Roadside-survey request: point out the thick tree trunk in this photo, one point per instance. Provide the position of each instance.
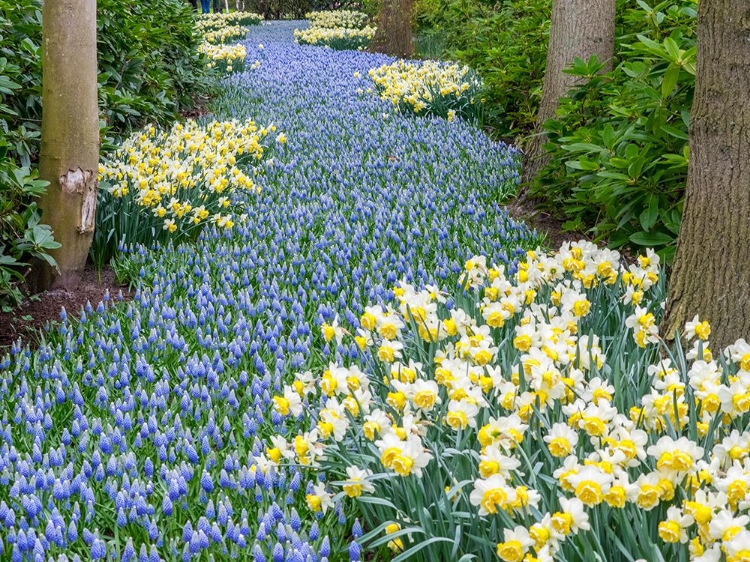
(69, 156)
(579, 28)
(711, 276)
(394, 35)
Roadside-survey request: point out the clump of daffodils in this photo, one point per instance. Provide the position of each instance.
(226, 59)
(167, 184)
(338, 18)
(341, 30)
(339, 38)
(430, 88)
(538, 403)
(227, 34)
(213, 21)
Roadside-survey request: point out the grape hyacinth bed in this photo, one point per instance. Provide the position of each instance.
(134, 433)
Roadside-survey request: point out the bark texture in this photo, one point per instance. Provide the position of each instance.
(394, 34)
(578, 28)
(711, 276)
(69, 156)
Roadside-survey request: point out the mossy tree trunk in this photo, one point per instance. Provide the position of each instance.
(69, 155)
(394, 33)
(578, 29)
(711, 275)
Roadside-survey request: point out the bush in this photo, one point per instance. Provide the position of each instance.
(22, 237)
(505, 41)
(619, 143)
(150, 68)
(278, 9)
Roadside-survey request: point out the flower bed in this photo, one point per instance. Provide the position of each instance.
(338, 18)
(213, 21)
(339, 38)
(430, 88)
(226, 59)
(163, 185)
(340, 30)
(132, 433)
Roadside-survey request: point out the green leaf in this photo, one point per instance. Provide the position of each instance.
(406, 555)
(651, 239)
(669, 81)
(650, 213)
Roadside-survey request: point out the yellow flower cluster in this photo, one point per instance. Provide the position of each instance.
(333, 37)
(338, 18)
(207, 22)
(187, 175)
(227, 58)
(226, 34)
(421, 86)
(680, 444)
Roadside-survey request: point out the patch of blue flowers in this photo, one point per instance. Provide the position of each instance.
(133, 433)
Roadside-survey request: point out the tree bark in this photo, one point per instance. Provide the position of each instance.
(394, 34)
(711, 276)
(69, 156)
(578, 29)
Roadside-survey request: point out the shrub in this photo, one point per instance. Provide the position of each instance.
(278, 9)
(505, 41)
(22, 237)
(163, 185)
(339, 38)
(430, 88)
(619, 143)
(150, 68)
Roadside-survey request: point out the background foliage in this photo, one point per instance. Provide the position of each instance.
(296, 9)
(619, 144)
(149, 71)
(504, 41)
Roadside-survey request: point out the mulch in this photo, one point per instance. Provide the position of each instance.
(39, 312)
(525, 210)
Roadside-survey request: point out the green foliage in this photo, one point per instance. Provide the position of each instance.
(278, 9)
(619, 144)
(150, 70)
(21, 235)
(505, 41)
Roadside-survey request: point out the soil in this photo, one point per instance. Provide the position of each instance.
(524, 209)
(199, 109)
(38, 312)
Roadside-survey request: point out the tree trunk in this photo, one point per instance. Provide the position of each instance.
(394, 36)
(578, 29)
(69, 156)
(711, 277)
